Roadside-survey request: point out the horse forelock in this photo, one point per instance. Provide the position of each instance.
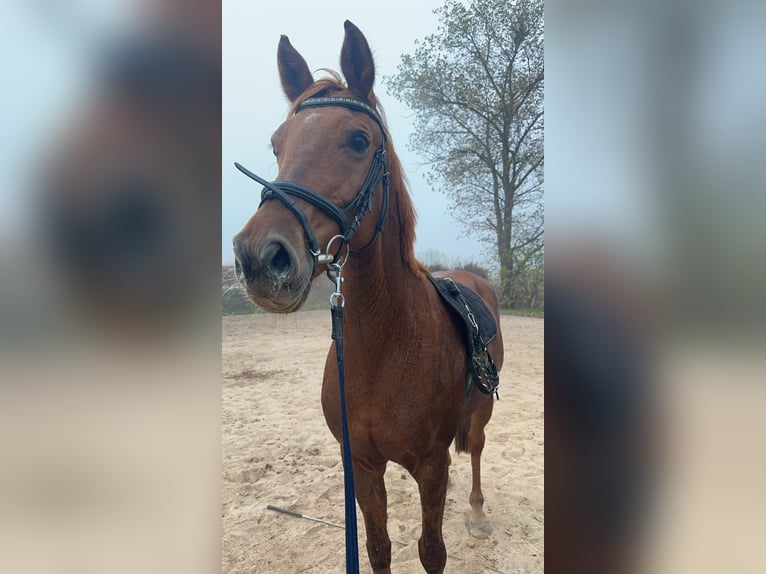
(401, 202)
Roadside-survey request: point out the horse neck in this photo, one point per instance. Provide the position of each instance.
(381, 289)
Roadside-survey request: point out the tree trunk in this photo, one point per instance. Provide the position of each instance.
(506, 278)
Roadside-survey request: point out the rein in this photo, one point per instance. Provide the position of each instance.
(337, 304)
(360, 206)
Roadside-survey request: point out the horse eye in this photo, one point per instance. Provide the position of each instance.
(359, 142)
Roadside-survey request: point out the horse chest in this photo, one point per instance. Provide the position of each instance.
(394, 421)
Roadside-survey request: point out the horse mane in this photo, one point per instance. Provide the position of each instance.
(401, 205)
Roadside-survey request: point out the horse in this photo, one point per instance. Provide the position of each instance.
(406, 364)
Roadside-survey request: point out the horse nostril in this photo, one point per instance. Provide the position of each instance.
(276, 259)
(281, 261)
(241, 260)
(238, 271)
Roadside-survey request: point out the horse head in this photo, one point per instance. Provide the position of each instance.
(332, 171)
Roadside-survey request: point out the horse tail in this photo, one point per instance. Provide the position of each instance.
(461, 436)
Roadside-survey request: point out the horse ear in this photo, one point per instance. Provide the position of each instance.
(293, 70)
(356, 62)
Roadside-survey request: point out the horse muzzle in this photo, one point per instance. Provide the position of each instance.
(273, 275)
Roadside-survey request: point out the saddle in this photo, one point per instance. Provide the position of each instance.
(479, 329)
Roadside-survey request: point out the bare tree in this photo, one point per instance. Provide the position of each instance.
(476, 87)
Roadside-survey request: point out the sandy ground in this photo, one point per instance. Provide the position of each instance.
(277, 450)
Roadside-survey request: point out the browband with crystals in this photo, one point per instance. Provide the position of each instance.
(350, 103)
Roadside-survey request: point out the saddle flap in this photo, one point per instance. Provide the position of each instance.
(479, 329)
(485, 321)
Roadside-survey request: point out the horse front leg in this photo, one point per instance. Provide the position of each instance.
(431, 475)
(371, 496)
(479, 525)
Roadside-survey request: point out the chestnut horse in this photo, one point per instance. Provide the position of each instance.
(405, 360)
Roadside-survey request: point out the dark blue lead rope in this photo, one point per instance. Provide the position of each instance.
(352, 544)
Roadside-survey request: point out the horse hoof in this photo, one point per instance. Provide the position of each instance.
(481, 529)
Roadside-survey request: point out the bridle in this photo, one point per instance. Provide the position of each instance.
(360, 206)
